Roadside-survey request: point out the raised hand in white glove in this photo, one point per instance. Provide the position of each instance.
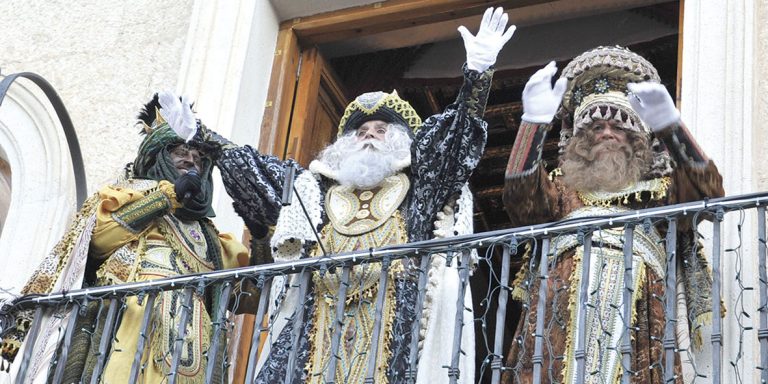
(540, 99)
(178, 113)
(653, 104)
(483, 48)
(444, 223)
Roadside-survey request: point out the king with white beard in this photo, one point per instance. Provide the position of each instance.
(388, 179)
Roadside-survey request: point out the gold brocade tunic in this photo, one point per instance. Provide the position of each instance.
(167, 247)
(360, 219)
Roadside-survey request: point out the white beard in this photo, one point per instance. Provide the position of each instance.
(366, 168)
(365, 164)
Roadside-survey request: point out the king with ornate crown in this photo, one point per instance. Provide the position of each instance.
(622, 147)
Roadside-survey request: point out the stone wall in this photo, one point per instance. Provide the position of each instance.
(104, 57)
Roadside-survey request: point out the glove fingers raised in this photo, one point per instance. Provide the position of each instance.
(508, 34)
(168, 100)
(486, 18)
(559, 88)
(465, 35)
(502, 23)
(543, 74)
(496, 18)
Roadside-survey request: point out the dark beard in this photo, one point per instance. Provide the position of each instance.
(608, 166)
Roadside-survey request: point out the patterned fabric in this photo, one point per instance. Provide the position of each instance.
(657, 188)
(136, 216)
(445, 152)
(601, 70)
(682, 146)
(362, 291)
(527, 149)
(168, 246)
(603, 321)
(597, 89)
(354, 212)
(398, 364)
(255, 183)
(295, 229)
(274, 370)
(118, 268)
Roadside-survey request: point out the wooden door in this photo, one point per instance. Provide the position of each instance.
(318, 106)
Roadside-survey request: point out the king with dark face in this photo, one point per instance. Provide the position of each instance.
(152, 224)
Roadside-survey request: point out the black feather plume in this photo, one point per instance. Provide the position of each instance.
(149, 114)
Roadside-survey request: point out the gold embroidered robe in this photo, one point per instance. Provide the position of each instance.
(167, 247)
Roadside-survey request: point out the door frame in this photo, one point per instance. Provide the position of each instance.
(297, 34)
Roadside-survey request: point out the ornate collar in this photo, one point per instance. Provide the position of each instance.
(354, 212)
(656, 187)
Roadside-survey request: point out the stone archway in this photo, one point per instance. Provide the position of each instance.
(41, 201)
(5, 190)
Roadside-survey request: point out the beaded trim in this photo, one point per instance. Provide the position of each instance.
(657, 187)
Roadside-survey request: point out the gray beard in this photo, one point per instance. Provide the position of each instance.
(366, 168)
(365, 164)
(610, 171)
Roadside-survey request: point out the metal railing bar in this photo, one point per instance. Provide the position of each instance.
(61, 362)
(338, 323)
(181, 333)
(670, 310)
(143, 336)
(370, 376)
(717, 341)
(298, 321)
(413, 355)
(538, 342)
(581, 334)
(106, 339)
(30, 341)
(218, 327)
(458, 327)
(501, 314)
(762, 333)
(250, 373)
(626, 309)
(405, 250)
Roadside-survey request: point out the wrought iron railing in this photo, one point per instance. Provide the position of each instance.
(746, 214)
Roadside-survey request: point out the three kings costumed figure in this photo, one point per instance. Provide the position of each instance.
(153, 224)
(623, 147)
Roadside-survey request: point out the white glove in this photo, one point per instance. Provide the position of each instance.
(540, 99)
(178, 113)
(653, 104)
(483, 48)
(445, 222)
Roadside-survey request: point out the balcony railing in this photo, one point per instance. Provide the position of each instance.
(738, 222)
